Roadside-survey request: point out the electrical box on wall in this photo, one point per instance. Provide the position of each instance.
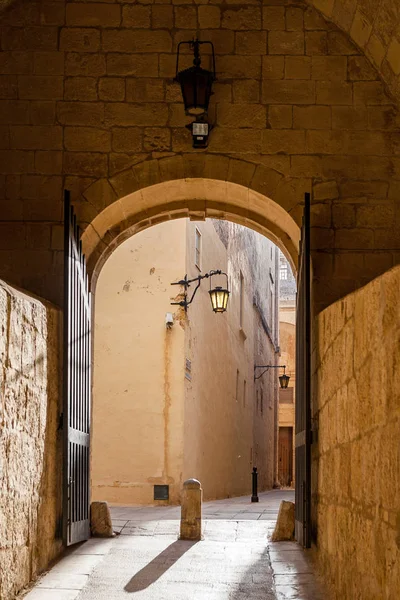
(161, 492)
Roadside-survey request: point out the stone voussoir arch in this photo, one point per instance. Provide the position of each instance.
(192, 186)
(374, 27)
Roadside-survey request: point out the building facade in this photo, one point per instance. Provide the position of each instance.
(179, 400)
(287, 341)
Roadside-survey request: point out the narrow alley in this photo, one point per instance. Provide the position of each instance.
(235, 560)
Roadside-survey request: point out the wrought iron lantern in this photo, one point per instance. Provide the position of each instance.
(196, 82)
(219, 296)
(283, 379)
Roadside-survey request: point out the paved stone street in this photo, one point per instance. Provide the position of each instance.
(234, 561)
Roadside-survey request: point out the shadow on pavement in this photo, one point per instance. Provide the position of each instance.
(158, 566)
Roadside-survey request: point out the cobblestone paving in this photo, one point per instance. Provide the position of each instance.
(234, 561)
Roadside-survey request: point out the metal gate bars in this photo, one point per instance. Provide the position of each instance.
(77, 383)
(303, 384)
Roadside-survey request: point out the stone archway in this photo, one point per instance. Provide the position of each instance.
(157, 191)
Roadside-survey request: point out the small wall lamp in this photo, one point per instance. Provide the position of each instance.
(196, 86)
(283, 379)
(219, 296)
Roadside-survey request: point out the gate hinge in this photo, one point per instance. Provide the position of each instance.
(60, 422)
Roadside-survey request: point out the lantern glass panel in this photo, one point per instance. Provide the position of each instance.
(284, 381)
(196, 89)
(219, 299)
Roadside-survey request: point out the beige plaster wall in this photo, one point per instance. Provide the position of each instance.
(356, 468)
(30, 445)
(138, 390)
(88, 102)
(225, 432)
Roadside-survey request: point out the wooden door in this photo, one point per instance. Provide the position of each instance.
(285, 456)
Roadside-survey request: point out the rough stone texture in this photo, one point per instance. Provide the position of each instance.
(324, 118)
(190, 528)
(356, 467)
(100, 520)
(284, 528)
(29, 443)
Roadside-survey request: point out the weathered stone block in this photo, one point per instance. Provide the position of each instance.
(48, 162)
(284, 528)
(143, 41)
(14, 112)
(40, 87)
(329, 68)
(136, 16)
(286, 42)
(251, 42)
(312, 117)
(118, 113)
(87, 138)
(348, 117)
(360, 69)
(273, 67)
(289, 92)
(294, 19)
(370, 93)
(240, 18)
(241, 115)
(274, 18)
(316, 42)
(185, 17)
(25, 137)
(8, 86)
(30, 38)
(162, 17)
(80, 88)
(145, 90)
(280, 117)
(95, 14)
(74, 39)
(80, 113)
(288, 142)
(209, 17)
(334, 92)
(85, 64)
(139, 65)
(112, 89)
(156, 139)
(49, 63)
(126, 139)
(235, 140)
(238, 67)
(297, 67)
(243, 91)
(100, 520)
(85, 163)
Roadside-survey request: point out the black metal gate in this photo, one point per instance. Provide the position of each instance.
(303, 385)
(77, 383)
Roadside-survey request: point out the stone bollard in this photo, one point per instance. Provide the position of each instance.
(100, 520)
(191, 510)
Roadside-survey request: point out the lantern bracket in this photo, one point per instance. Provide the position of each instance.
(195, 46)
(185, 282)
(267, 368)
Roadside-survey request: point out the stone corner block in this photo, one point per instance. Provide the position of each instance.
(284, 528)
(100, 520)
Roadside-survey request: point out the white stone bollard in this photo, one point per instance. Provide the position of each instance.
(191, 510)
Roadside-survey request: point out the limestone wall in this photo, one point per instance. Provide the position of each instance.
(357, 459)
(30, 458)
(88, 102)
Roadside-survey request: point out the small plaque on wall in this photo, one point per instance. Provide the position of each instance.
(161, 492)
